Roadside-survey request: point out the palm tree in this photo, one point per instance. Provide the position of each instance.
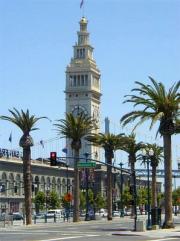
(155, 159)
(163, 106)
(75, 128)
(26, 123)
(131, 147)
(110, 143)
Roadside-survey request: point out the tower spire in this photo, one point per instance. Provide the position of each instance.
(83, 82)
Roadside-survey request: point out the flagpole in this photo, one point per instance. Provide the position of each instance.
(83, 10)
(82, 6)
(10, 140)
(11, 150)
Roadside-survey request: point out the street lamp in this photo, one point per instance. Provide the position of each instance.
(87, 218)
(175, 211)
(146, 159)
(121, 191)
(67, 175)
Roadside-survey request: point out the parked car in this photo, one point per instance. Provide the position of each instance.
(2, 217)
(102, 213)
(116, 214)
(17, 216)
(127, 212)
(58, 213)
(40, 215)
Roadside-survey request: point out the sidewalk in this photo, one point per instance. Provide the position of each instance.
(159, 233)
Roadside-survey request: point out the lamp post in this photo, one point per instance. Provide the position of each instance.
(135, 198)
(67, 175)
(47, 189)
(175, 211)
(146, 159)
(121, 191)
(87, 218)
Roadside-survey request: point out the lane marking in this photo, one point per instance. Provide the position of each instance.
(20, 233)
(162, 239)
(70, 237)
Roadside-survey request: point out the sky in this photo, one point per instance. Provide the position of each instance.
(133, 39)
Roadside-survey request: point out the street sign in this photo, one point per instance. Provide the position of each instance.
(86, 164)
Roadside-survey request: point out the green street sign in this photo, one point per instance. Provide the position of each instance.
(86, 164)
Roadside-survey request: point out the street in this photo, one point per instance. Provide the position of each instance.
(92, 231)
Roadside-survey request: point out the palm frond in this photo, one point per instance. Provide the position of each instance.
(23, 120)
(155, 102)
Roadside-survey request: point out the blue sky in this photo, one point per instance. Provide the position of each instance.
(132, 38)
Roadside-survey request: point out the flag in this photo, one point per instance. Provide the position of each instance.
(10, 137)
(82, 2)
(65, 150)
(42, 143)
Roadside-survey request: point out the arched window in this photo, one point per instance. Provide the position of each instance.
(59, 187)
(11, 184)
(48, 184)
(17, 187)
(54, 184)
(63, 186)
(42, 184)
(4, 184)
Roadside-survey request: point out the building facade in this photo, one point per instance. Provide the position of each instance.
(47, 178)
(44, 178)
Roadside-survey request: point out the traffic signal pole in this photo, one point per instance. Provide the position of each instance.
(132, 174)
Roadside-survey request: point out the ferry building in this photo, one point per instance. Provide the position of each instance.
(82, 93)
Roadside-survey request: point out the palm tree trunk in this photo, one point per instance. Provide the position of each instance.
(109, 190)
(27, 184)
(154, 191)
(168, 223)
(76, 187)
(133, 184)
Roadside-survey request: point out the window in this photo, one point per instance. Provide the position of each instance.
(80, 53)
(83, 53)
(78, 82)
(77, 53)
(82, 80)
(86, 80)
(70, 80)
(74, 84)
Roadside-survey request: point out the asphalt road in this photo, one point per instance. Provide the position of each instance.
(89, 231)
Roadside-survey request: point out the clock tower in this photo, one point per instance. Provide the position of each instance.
(83, 85)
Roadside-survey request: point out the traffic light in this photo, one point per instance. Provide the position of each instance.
(33, 187)
(53, 158)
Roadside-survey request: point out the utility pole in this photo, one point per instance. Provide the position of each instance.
(87, 218)
(121, 192)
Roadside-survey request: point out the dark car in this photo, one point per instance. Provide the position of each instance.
(17, 216)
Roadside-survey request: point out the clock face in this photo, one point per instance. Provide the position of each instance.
(77, 110)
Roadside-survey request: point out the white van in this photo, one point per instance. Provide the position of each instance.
(58, 213)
